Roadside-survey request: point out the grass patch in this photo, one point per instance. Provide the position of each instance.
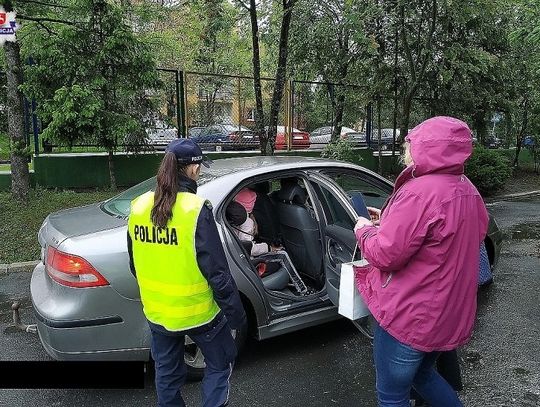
(4, 146)
(526, 160)
(19, 223)
(7, 167)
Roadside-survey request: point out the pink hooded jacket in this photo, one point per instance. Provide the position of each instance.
(422, 280)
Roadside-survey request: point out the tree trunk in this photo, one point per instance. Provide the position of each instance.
(395, 74)
(417, 65)
(405, 116)
(20, 176)
(112, 173)
(337, 124)
(256, 59)
(379, 132)
(281, 72)
(521, 133)
(479, 123)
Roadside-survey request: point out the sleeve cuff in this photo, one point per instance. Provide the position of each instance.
(363, 231)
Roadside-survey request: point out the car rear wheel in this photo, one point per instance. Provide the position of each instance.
(195, 359)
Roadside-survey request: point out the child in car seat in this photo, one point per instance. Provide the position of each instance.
(245, 227)
(267, 258)
(248, 230)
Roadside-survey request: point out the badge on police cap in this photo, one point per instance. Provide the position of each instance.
(188, 152)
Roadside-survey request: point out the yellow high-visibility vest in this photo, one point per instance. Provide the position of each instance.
(174, 293)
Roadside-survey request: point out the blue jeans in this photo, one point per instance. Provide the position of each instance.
(400, 367)
(219, 349)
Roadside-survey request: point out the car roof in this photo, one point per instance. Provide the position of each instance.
(225, 172)
(281, 129)
(229, 126)
(261, 164)
(225, 175)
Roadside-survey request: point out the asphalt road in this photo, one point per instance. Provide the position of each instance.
(330, 365)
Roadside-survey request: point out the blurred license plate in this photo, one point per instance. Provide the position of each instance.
(298, 137)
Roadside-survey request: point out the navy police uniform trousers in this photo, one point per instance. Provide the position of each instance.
(219, 349)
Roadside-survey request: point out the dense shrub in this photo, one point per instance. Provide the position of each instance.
(341, 150)
(488, 170)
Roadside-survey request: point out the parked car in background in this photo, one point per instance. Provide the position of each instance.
(227, 137)
(387, 138)
(322, 135)
(300, 139)
(528, 141)
(493, 142)
(87, 301)
(161, 134)
(195, 131)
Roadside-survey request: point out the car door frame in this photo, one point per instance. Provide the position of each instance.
(339, 243)
(332, 267)
(273, 313)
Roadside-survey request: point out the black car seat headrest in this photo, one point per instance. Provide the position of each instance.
(261, 187)
(235, 213)
(293, 193)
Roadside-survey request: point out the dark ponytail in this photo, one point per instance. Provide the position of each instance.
(166, 190)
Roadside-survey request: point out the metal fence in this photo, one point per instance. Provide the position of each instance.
(221, 111)
(218, 111)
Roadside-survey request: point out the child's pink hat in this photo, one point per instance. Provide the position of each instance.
(246, 197)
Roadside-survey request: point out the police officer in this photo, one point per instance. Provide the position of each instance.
(185, 283)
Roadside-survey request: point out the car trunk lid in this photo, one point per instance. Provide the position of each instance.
(83, 220)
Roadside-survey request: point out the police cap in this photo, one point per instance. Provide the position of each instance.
(187, 152)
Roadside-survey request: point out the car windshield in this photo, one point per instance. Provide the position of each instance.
(120, 205)
(195, 131)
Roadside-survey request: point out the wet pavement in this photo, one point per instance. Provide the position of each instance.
(330, 365)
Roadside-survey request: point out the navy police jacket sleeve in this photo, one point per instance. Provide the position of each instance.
(214, 267)
(130, 253)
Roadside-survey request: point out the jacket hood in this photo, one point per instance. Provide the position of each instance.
(440, 144)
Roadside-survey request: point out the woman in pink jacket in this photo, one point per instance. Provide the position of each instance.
(422, 279)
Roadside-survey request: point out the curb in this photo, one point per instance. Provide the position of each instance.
(18, 267)
(511, 196)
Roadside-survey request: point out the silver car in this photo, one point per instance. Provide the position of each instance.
(161, 134)
(322, 135)
(87, 301)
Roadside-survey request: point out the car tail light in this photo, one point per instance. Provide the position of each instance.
(72, 271)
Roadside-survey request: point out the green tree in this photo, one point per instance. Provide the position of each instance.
(285, 12)
(221, 51)
(20, 175)
(91, 77)
(524, 107)
(469, 77)
(343, 52)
